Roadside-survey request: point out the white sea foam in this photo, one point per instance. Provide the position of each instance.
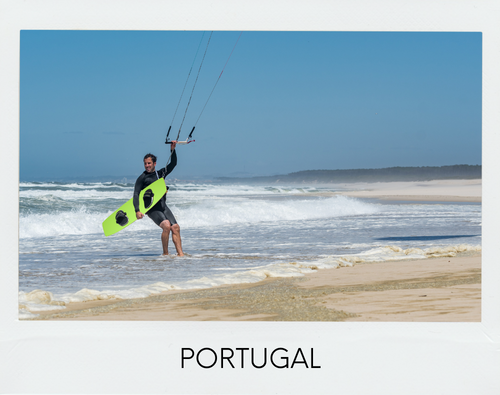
(25, 314)
(239, 190)
(81, 221)
(40, 300)
(73, 185)
(76, 222)
(104, 189)
(49, 209)
(394, 253)
(80, 194)
(37, 300)
(220, 212)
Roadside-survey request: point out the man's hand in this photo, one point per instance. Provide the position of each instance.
(139, 215)
(172, 146)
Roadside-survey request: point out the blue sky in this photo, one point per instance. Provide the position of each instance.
(93, 103)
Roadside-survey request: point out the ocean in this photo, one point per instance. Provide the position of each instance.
(230, 233)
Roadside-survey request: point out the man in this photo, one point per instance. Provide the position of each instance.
(159, 213)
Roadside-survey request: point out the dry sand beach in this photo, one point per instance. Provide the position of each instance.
(439, 190)
(444, 289)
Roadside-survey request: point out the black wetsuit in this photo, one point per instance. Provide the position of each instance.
(159, 212)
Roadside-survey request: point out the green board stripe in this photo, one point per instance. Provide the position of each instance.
(125, 215)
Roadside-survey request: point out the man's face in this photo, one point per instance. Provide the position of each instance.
(149, 165)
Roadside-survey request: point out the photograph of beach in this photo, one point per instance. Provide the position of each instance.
(250, 197)
(332, 176)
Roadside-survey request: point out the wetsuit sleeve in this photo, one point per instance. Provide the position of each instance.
(171, 165)
(137, 191)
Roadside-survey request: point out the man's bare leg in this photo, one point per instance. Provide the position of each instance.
(165, 225)
(176, 238)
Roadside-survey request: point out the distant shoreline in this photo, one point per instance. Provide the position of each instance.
(388, 174)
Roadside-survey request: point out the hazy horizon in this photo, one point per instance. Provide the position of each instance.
(130, 178)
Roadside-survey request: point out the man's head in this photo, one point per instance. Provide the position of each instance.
(149, 163)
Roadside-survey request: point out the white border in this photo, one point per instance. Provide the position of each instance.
(143, 357)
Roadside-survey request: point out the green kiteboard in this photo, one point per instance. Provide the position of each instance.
(125, 215)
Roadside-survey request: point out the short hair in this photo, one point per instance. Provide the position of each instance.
(153, 158)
